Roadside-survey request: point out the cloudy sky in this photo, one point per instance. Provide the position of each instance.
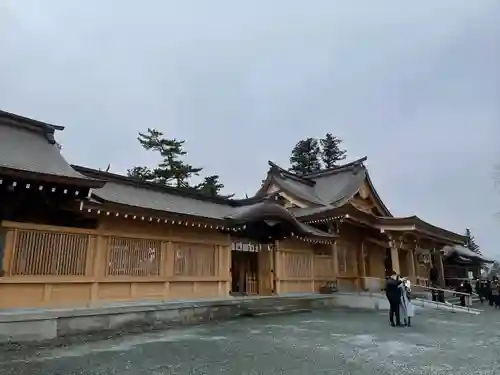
(413, 85)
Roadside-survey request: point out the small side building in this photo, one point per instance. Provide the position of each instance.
(75, 236)
(459, 263)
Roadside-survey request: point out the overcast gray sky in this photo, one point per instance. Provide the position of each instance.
(414, 85)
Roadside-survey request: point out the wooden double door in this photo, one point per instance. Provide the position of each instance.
(252, 272)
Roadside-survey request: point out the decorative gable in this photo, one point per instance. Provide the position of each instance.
(366, 201)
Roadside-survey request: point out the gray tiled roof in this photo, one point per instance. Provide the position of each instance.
(463, 252)
(301, 191)
(326, 189)
(142, 197)
(270, 210)
(28, 150)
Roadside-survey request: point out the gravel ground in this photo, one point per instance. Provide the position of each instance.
(332, 342)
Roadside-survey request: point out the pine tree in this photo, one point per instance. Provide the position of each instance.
(305, 157)
(171, 171)
(211, 187)
(331, 153)
(141, 173)
(471, 242)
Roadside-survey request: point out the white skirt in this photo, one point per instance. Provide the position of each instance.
(410, 310)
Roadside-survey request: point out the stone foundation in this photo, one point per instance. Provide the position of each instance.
(22, 326)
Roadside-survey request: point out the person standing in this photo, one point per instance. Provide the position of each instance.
(495, 294)
(461, 294)
(468, 290)
(393, 294)
(480, 289)
(489, 294)
(406, 307)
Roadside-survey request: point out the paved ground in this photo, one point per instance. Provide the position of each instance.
(336, 342)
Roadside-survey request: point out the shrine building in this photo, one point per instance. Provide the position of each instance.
(76, 236)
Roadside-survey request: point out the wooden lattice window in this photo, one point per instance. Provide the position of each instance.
(40, 253)
(133, 257)
(298, 265)
(195, 260)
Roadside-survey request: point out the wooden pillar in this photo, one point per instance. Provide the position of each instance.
(411, 265)
(438, 263)
(334, 252)
(395, 257)
(277, 268)
(362, 267)
(9, 247)
(362, 258)
(99, 267)
(335, 256)
(169, 267)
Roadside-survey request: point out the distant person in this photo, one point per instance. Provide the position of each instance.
(480, 289)
(489, 294)
(393, 294)
(468, 291)
(495, 294)
(460, 289)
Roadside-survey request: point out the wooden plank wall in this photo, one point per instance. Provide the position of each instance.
(56, 266)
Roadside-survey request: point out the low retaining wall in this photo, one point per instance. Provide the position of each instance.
(368, 301)
(21, 326)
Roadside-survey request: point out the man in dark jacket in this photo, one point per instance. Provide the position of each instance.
(393, 294)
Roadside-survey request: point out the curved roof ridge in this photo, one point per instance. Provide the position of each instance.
(292, 175)
(268, 210)
(336, 169)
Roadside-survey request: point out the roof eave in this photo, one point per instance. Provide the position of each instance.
(114, 209)
(112, 177)
(379, 201)
(29, 121)
(414, 223)
(51, 178)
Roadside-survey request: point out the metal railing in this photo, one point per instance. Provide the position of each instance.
(418, 301)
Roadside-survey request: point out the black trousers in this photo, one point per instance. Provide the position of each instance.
(394, 310)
